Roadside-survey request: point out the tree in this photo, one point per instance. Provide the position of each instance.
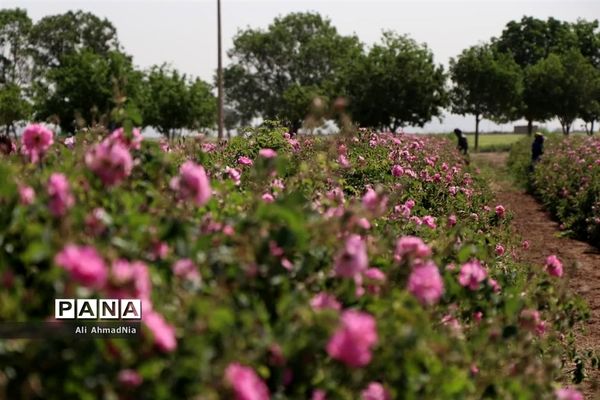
(395, 84)
(171, 102)
(15, 60)
(300, 53)
(56, 37)
(559, 86)
(588, 40)
(590, 111)
(86, 87)
(532, 40)
(13, 106)
(529, 41)
(15, 67)
(486, 85)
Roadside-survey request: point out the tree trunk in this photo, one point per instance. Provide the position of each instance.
(477, 120)
(592, 128)
(529, 127)
(566, 126)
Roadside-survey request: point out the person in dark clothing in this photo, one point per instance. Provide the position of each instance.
(463, 145)
(537, 147)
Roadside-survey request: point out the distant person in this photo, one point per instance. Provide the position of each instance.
(537, 147)
(463, 145)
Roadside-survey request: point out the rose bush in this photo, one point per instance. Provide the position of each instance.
(567, 182)
(303, 275)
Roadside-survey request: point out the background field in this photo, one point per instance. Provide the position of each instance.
(494, 142)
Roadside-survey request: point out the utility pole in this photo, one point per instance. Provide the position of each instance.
(219, 74)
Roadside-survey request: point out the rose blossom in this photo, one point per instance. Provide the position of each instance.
(352, 259)
(186, 268)
(129, 378)
(246, 384)
(426, 283)
(37, 139)
(192, 183)
(375, 391)
(132, 143)
(500, 211)
(84, 264)
(26, 195)
(452, 220)
(531, 320)
(162, 332)
(129, 280)
(352, 342)
(267, 153)
(499, 249)
(243, 160)
(472, 274)
(324, 301)
(111, 162)
(268, 198)
(429, 221)
(568, 394)
(553, 266)
(411, 246)
(59, 191)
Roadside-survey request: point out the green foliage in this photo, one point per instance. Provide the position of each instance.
(531, 40)
(396, 84)
(15, 28)
(171, 101)
(272, 70)
(13, 106)
(486, 84)
(248, 307)
(86, 87)
(559, 85)
(566, 181)
(56, 37)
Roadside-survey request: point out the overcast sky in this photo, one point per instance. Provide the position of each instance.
(183, 33)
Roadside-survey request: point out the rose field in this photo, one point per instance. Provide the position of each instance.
(360, 266)
(567, 182)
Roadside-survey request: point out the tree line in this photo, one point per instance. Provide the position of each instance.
(71, 69)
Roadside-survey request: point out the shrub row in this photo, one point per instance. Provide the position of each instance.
(373, 266)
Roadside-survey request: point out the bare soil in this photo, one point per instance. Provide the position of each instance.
(581, 260)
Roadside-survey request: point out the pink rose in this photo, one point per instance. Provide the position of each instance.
(500, 211)
(37, 139)
(26, 195)
(59, 191)
(84, 264)
(246, 384)
(243, 160)
(352, 259)
(325, 301)
(426, 283)
(472, 274)
(267, 153)
(130, 378)
(375, 391)
(162, 332)
(111, 162)
(553, 266)
(131, 143)
(568, 394)
(352, 342)
(192, 183)
(411, 246)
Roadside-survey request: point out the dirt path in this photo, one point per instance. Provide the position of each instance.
(582, 261)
